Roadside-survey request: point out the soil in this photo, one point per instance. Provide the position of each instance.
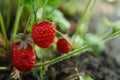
(99, 67)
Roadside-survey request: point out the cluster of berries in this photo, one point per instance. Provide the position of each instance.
(43, 35)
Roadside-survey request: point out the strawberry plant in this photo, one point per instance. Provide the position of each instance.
(34, 42)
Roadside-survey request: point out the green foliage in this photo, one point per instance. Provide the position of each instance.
(60, 20)
(94, 42)
(26, 1)
(114, 25)
(111, 1)
(36, 73)
(43, 53)
(50, 12)
(32, 21)
(55, 3)
(56, 16)
(31, 4)
(85, 77)
(77, 41)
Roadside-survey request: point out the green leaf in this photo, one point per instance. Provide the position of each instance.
(27, 1)
(35, 73)
(56, 16)
(43, 53)
(94, 42)
(31, 3)
(113, 25)
(85, 77)
(55, 3)
(39, 14)
(59, 19)
(32, 21)
(37, 4)
(77, 41)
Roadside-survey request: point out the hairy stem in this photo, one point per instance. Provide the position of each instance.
(112, 35)
(41, 70)
(75, 52)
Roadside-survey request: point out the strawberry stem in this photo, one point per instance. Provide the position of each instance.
(60, 33)
(83, 22)
(44, 8)
(41, 70)
(112, 35)
(72, 53)
(65, 37)
(28, 22)
(4, 68)
(17, 19)
(4, 31)
(8, 15)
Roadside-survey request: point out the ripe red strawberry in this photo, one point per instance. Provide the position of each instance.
(63, 46)
(23, 59)
(43, 33)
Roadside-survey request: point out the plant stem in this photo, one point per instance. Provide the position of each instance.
(112, 35)
(17, 19)
(4, 68)
(8, 15)
(60, 33)
(4, 31)
(41, 70)
(83, 22)
(44, 8)
(75, 52)
(55, 7)
(28, 22)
